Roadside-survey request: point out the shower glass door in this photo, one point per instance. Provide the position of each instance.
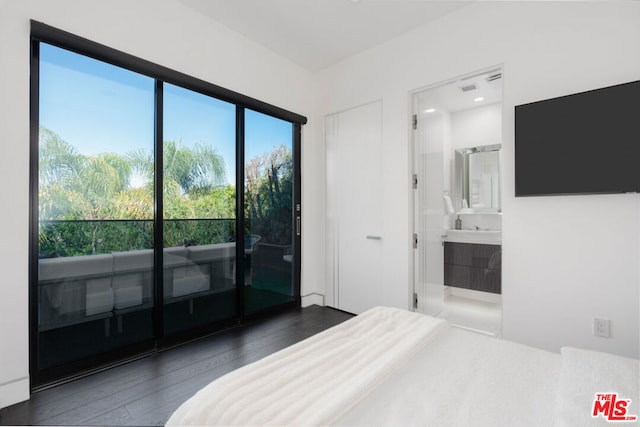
(430, 138)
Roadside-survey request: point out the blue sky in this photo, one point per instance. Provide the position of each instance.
(98, 107)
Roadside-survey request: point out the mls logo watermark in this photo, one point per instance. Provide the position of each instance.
(611, 408)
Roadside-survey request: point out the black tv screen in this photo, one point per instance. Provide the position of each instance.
(585, 143)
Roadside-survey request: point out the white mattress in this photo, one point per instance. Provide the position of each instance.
(390, 367)
(465, 379)
(316, 380)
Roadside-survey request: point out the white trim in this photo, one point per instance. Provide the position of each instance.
(312, 299)
(15, 391)
(476, 295)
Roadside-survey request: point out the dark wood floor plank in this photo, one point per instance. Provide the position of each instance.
(183, 390)
(181, 354)
(116, 417)
(147, 391)
(164, 385)
(76, 395)
(208, 369)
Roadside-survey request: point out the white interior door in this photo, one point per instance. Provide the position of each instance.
(430, 138)
(354, 207)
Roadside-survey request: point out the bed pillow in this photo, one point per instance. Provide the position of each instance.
(586, 373)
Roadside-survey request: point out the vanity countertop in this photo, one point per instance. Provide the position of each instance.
(485, 237)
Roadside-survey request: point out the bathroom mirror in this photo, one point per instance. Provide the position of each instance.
(478, 184)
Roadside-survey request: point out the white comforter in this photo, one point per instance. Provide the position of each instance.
(316, 380)
(377, 369)
(585, 373)
(465, 379)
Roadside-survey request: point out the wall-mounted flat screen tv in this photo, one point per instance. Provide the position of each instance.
(584, 143)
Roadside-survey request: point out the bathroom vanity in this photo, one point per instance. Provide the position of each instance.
(473, 260)
(473, 254)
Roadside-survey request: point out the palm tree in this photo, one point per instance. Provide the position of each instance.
(97, 178)
(59, 161)
(188, 170)
(74, 186)
(199, 168)
(121, 166)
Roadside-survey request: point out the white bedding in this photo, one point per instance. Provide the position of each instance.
(465, 379)
(316, 380)
(585, 373)
(392, 367)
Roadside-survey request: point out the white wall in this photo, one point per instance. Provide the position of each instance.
(164, 32)
(477, 126)
(566, 259)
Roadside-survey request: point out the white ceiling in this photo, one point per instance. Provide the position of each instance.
(319, 33)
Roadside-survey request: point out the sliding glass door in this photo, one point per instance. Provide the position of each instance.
(199, 209)
(162, 207)
(269, 212)
(95, 208)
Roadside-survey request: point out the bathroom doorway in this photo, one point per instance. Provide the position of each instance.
(457, 200)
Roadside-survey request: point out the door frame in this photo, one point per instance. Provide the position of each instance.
(412, 109)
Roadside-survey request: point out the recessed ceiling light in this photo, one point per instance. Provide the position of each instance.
(479, 99)
(430, 110)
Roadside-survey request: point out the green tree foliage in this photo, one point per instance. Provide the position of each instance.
(60, 162)
(197, 169)
(269, 196)
(87, 204)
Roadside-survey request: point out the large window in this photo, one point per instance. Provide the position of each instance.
(268, 211)
(95, 211)
(163, 207)
(199, 191)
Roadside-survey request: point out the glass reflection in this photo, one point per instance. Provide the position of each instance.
(199, 200)
(95, 211)
(268, 211)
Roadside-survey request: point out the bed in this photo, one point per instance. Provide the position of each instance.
(393, 367)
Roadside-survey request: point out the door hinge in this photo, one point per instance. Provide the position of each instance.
(415, 300)
(415, 122)
(415, 240)
(415, 181)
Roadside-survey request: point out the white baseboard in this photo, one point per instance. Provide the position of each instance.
(477, 295)
(312, 299)
(14, 392)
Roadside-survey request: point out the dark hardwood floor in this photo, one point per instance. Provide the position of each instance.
(145, 392)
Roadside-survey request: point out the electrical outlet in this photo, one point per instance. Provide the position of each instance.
(602, 327)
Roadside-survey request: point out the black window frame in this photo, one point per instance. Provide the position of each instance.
(43, 33)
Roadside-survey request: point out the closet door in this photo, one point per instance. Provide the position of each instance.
(354, 208)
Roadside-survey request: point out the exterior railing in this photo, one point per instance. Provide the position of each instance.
(63, 238)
